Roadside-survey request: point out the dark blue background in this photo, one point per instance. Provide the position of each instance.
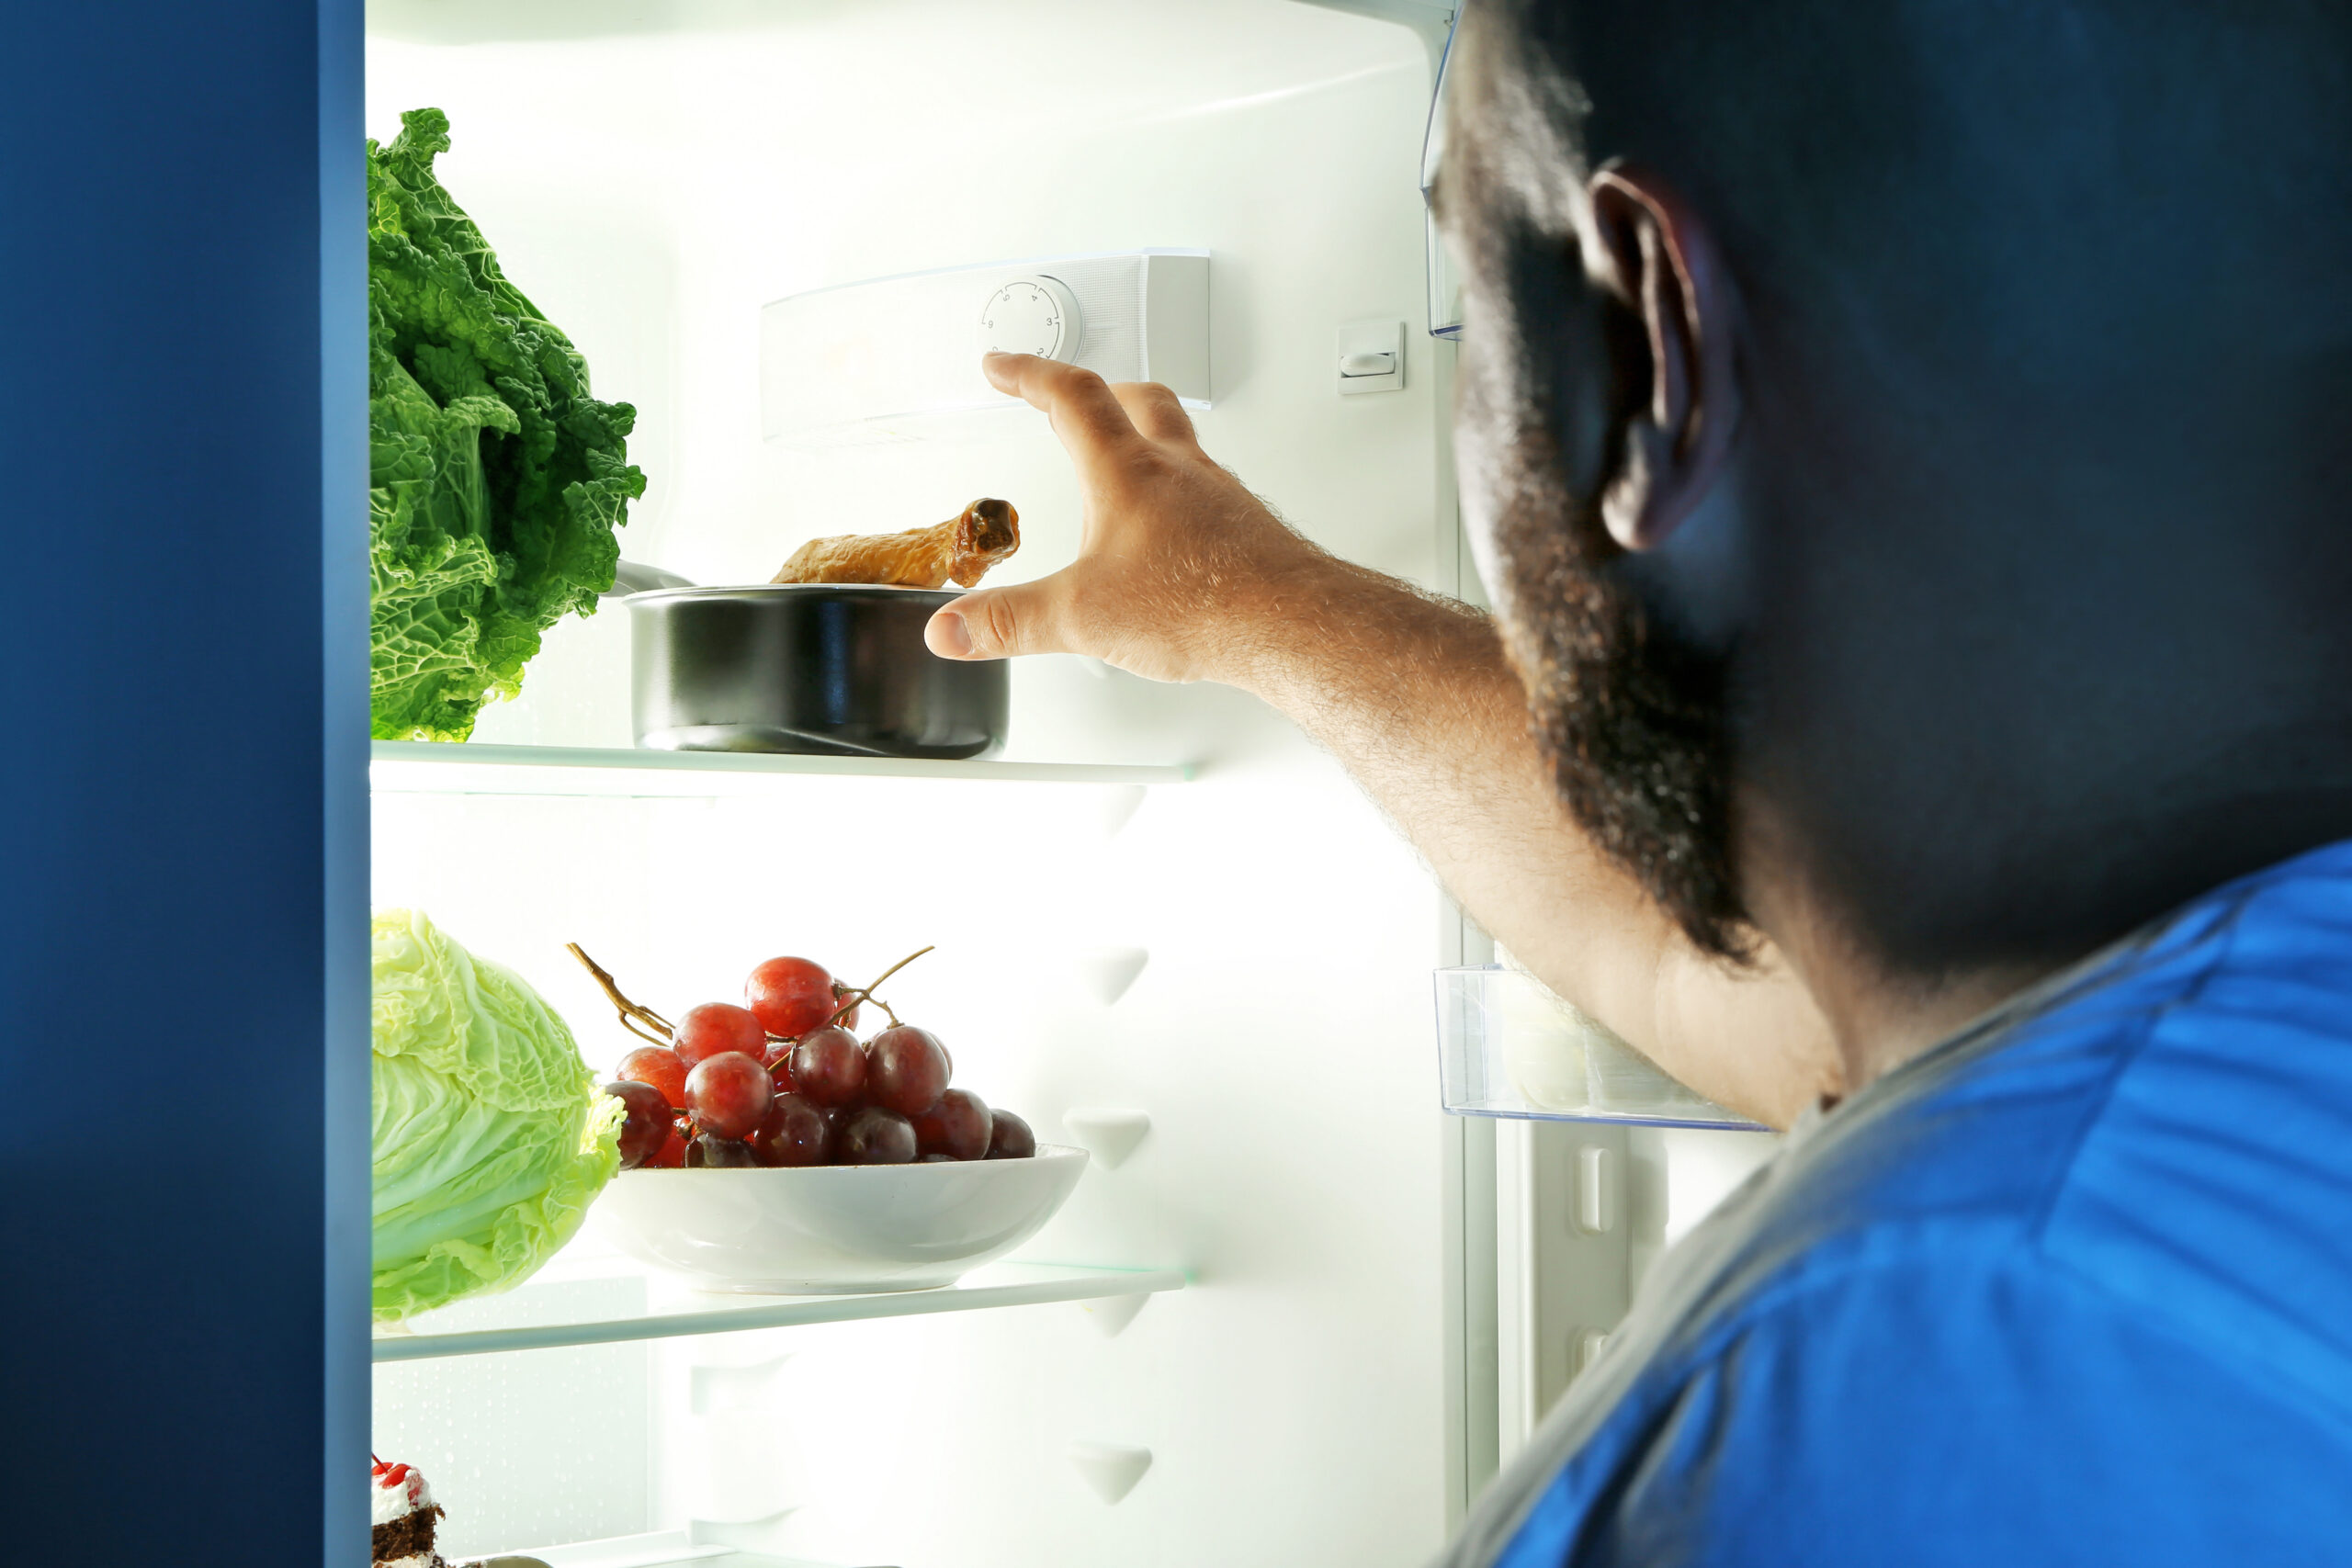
(182, 1177)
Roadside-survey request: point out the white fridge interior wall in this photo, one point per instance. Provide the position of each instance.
(650, 188)
(1582, 1212)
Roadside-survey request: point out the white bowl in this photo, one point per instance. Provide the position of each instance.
(831, 1229)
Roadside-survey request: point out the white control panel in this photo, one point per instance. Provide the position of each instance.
(894, 359)
(1031, 315)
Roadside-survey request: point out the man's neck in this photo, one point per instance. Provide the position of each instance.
(1881, 1026)
(1879, 1019)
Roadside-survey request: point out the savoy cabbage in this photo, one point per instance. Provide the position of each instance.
(496, 480)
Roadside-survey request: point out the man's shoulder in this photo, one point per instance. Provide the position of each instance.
(1906, 1400)
(2212, 1188)
(2100, 1241)
(2171, 1131)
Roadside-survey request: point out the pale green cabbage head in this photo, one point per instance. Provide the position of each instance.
(491, 1134)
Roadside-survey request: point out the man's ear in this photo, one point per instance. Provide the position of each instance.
(1656, 255)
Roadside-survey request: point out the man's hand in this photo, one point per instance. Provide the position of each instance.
(1175, 556)
(1184, 575)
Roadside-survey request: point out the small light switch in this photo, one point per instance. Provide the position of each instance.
(1371, 358)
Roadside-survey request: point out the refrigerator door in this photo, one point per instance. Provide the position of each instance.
(184, 907)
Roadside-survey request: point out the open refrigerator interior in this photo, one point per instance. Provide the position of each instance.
(1294, 1312)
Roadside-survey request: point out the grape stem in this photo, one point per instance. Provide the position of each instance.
(633, 1018)
(865, 993)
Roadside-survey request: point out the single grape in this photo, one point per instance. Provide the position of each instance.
(646, 1127)
(779, 1065)
(715, 1027)
(959, 1126)
(1009, 1137)
(659, 1065)
(728, 1093)
(791, 996)
(841, 994)
(672, 1153)
(829, 1068)
(708, 1153)
(906, 1069)
(793, 1132)
(875, 1136)
(936, 1159)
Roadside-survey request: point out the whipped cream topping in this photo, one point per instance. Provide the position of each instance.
(399, 1490)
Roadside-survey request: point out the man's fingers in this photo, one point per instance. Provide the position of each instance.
(1155, 410)
(1092, 426)
(999, 622)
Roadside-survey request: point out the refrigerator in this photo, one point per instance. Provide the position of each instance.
(1311, 1290)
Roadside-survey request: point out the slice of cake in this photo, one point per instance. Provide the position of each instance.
(404, 1514)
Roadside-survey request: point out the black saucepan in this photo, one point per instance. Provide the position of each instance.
(806, 667)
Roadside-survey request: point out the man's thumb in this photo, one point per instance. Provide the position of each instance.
(993, 623)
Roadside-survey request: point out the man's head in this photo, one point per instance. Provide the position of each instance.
(1906, 441)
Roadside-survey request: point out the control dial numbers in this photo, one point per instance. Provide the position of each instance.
(1031, 315)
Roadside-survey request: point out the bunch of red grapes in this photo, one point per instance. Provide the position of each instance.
(781, 1081)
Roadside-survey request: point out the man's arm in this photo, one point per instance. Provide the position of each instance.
(1184, 575)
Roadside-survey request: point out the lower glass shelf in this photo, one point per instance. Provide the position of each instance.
(1508, 1047)
(574, 1309)
(666, 1549)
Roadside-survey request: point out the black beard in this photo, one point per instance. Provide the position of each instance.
(1632, 716)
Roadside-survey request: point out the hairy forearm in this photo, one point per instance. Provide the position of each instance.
(1413, 695)
(1184, 575)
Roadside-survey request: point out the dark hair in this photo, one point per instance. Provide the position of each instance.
(2046, 363)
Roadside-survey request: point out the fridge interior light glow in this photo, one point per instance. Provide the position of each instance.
(1294, 1312)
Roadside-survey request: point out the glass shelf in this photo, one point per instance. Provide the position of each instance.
(606, 1309)
(441, 768)
(1508, 1047)
(667, 1549)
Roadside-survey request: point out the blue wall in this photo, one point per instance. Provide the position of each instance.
(182, 894)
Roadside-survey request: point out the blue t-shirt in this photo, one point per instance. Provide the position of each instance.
(2074, 1287)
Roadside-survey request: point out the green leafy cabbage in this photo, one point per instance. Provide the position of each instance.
(496, 480)
(491, 1134)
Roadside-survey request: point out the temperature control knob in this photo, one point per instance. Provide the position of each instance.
(1031, 315)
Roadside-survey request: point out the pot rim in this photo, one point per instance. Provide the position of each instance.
(758, 590)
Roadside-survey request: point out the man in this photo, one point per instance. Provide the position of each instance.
(1904, 443)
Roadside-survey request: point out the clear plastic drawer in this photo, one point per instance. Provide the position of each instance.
(1508, 1047)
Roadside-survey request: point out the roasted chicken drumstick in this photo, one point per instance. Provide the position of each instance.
(960, 549)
